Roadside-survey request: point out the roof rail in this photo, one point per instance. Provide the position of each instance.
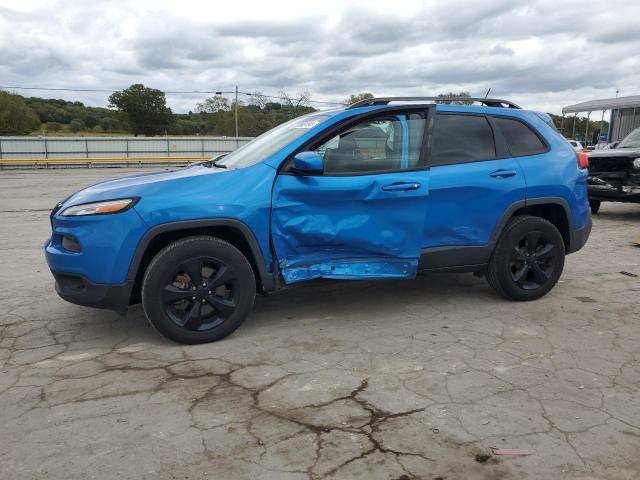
(489, 102)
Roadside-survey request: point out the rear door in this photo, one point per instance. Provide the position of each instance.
(364, 216)
(474, 180)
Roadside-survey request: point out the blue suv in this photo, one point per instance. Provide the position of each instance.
(385, 188)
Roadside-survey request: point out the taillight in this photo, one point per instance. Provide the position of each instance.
(583, 160)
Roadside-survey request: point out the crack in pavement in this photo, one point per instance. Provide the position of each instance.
(401, 380)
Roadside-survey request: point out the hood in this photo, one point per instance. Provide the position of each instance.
(190, 193)
(138, 185)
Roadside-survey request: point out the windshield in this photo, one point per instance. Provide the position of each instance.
(632, 140)
(270, 142)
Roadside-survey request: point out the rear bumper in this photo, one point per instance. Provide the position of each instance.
(580, 236)
(76, 289)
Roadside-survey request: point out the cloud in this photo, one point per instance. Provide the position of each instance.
(541, 53)
(501, 50)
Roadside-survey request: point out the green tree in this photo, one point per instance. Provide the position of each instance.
(213, 104)
(16, 118)
(53, 127)
(357, 97)
(454, 95)
(566, 126)
(295, 103)
(76, 125)
(258, 99)
(145, 108)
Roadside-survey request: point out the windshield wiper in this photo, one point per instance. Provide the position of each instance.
(212, 162)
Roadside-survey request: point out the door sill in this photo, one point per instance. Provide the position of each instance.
(353, 269)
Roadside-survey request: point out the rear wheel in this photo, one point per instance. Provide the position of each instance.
(198, 289)
(595, 206)
(528, 259)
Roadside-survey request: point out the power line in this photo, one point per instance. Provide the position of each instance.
(172, 92)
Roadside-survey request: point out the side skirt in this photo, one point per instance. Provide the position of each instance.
(454, 258)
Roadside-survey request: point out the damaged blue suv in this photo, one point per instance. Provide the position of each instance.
(385, 188)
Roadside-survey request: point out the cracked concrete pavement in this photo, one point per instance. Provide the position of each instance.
(361, 380)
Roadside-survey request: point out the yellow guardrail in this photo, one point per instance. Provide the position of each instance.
(98, 160)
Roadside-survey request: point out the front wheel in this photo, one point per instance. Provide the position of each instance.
(528, 259)
(595, 206)
(198, 290)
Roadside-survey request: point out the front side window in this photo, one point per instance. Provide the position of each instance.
(520, 139)
(387, 143)
(461, 139)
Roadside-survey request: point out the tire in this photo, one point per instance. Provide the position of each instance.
(595, 206)
(198, 289)
(527, 260)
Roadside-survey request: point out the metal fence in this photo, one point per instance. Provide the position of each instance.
(47, 152)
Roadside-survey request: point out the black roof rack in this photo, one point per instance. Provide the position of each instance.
(489, 102)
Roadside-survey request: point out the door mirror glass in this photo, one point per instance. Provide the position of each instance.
(308, 163)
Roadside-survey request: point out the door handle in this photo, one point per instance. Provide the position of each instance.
(503, 173)
(398, 186)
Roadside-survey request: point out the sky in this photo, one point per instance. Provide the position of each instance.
(541, 54)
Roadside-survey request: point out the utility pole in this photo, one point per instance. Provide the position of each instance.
(236, 111)
(586, 130)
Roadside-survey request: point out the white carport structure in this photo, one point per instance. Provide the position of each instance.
(623, 115)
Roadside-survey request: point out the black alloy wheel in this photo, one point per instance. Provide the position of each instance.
(527, 260)
(199, 294)
(198, 289)
(532, 261)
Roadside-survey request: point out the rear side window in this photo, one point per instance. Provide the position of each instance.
(520, 139)
(461, 139)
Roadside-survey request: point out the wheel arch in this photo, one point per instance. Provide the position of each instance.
(554, 209)
(233, 231)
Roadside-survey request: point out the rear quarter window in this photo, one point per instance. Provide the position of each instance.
(521, 139)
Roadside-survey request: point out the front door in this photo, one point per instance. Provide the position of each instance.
(364, 216)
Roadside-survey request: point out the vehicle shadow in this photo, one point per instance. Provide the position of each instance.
(618, 211)
(346, 299)
(341, 301)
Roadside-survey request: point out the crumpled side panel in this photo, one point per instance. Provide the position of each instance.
(353, 269)
(348, 227)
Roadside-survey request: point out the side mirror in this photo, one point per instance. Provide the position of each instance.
(308, 163)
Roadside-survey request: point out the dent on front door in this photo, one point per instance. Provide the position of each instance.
(349, 228)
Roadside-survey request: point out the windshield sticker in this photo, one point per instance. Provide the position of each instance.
(310, 123)
(307, 125)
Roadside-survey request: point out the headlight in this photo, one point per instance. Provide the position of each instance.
(99, 208)
(636, 164)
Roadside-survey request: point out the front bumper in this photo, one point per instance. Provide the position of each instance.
(94, 272)
(77, 289)
(613, 194)
(105, 246)
(614, 186)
